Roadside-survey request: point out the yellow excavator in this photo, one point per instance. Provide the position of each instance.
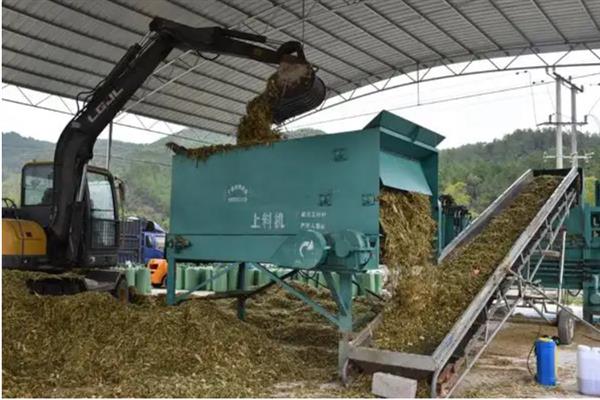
(68, 217)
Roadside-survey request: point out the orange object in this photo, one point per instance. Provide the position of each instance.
(158, 271)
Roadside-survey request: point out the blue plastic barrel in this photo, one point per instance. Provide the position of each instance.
(545, 352)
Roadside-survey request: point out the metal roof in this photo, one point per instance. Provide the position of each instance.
(64, 47)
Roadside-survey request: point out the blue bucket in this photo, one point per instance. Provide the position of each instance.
(545, 352)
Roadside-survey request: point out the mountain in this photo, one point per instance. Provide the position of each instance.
(474, 174)
(478, 173)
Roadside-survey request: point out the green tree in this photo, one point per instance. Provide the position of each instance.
(458, 191)
(589, 187)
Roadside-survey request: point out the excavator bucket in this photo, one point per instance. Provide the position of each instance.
(302, 90)
(110, 281)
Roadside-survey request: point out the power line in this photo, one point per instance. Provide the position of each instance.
(594, 106)
(532, 100)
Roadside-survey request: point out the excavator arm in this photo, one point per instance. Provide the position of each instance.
(75, 145)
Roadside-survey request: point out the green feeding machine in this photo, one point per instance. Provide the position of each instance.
(308, 205)
(453, 219)
(576, 264)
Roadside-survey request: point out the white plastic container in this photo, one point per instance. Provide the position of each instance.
(588, 370)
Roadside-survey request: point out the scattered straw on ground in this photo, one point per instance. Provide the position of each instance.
(429, 300)
(90, 345)
(285, 318)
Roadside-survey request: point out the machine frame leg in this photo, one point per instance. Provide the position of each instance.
(241, 285)
(171, 281)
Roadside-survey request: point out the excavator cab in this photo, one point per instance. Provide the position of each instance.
(99, 244)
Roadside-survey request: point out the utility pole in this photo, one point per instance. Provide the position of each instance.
(574, 158)
(574, 155)
(559, 141)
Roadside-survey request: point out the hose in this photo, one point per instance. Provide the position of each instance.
(531, 352)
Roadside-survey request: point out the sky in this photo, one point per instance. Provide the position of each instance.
(518, 99)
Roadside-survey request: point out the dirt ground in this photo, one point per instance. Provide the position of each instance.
(502, 370)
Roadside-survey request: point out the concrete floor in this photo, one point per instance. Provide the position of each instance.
(502, 370)
(163, 291)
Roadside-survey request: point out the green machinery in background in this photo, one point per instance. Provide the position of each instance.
(581, 264)
(309, 205)
(452, 220)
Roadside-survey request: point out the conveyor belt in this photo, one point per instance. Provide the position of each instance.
(488, 311)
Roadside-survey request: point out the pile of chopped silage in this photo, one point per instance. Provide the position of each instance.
(429, 300)
(91, 345)
(295, 326)
(285, 318)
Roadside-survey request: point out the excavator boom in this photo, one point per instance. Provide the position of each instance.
(75, 145)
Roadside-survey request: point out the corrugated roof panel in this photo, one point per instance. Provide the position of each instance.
(64, 46)
(425, 29)
(491, 21)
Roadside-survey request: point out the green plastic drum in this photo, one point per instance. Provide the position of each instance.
(252, 277)
(180, 277)
(262, 278)
(377, 281)
(192, 277)
(130, 276)
(208, 274)
(142, 281)
(232, 278)
(365, 281)
(219, 284)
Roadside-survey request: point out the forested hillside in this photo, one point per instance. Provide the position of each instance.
(474, 174)
(145, 169)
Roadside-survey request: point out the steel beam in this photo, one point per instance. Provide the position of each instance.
(405, 31)
(589, 14)
(112, 62)
(472, 24)
(148, 15)
(331, 102)
(439, 28)
(340, 39)
(280, 29)
(368, 33)
(511, 22)
(549, 20)
(70, 112)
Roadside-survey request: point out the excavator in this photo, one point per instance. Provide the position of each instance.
(68, 219)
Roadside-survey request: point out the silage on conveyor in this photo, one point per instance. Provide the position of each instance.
(429, 300)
